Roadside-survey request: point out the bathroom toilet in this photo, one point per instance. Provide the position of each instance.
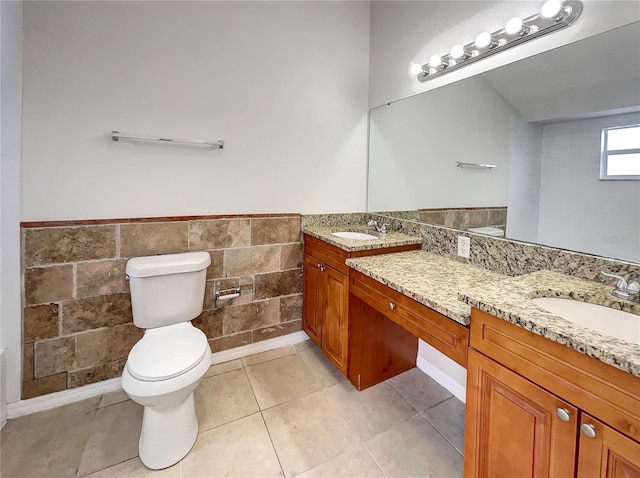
(165, 367)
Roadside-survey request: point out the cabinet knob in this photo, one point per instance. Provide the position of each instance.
(563, 414)
(588, 429)
(392, 306)
(321, 267)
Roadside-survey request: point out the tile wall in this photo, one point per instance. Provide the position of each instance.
(462, 218)
(508, 257)
(77, 319)
(511, 258)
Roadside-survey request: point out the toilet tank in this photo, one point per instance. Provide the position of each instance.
(167, 289)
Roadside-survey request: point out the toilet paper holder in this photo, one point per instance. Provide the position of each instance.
(226, 294)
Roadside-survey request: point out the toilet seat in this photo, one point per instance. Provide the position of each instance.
(167, 352)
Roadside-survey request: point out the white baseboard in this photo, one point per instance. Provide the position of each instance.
(256, 348)
(65, 397)
(57, 399)
(442, 378)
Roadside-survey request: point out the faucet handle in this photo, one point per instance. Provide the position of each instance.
(622, 282)
(372, 223)
(624, 289)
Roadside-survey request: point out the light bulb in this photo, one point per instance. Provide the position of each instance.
(416, 68)
(483, 40)
(435, 61)
(551, 8)
(457, 51)
(513, 26)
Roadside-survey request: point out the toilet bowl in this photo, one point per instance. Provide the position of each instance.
(162, 372)
(164, 368)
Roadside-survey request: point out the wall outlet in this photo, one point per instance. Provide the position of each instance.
(464, 246)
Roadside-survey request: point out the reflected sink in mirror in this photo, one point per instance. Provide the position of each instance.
(360, 236)
(604, 320)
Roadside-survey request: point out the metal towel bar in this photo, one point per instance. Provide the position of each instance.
(117, 136)
(475, 165)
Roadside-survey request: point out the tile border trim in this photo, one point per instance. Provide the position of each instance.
(139, 220)
(72, 395)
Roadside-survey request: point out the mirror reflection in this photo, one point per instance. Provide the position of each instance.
(551, 125)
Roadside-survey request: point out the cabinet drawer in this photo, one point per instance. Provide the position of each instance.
(330, 255)
(601, 390)
(442, 333)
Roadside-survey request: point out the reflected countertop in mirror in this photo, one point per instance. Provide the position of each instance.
(541, 121)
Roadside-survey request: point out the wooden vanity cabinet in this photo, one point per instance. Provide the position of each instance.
(513, 429)
(325, 296)
(385, 328)
(531, 405)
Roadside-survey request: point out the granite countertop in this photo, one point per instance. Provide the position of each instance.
(510, 300)
(388, 239)
(431, 279)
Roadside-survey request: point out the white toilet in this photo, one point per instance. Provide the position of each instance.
(165, 367)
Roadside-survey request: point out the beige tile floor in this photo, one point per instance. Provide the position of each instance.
(283, 413)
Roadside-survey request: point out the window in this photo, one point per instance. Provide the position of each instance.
(620, 156)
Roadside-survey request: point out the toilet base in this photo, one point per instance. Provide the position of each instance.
(168, 434)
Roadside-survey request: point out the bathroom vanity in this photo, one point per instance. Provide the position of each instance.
(573, 393)
(531, 408)
(545, 396)
(325, 316)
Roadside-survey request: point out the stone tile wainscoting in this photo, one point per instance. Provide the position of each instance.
(465, 217)
(77, 319)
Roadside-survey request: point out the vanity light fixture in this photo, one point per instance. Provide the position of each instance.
(516, 27)
(554, 15)
(459, 53)
(484, 40)
(436, 62)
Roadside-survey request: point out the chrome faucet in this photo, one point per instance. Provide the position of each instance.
(624, 289)
(382, 229)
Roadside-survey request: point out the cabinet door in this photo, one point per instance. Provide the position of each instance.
(514, 428)
(335, 321)
(606, 453)
(312, 299)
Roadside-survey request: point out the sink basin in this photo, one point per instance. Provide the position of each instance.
(606, 321)
(360, 236)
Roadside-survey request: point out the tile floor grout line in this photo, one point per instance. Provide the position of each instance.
(273, 445)
(265, 424)
(439, 403)
(84, 448)
(356, 433)
(265, 361)
(440, 432)
(401, 395)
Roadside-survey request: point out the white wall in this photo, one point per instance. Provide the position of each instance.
(571, 190)
(525, 158)
(412, 31)
(285, 84)
(10, 101)
(415, 143)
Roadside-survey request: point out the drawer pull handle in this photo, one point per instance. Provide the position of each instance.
(563, 414)
(392, 306)
(588, 429)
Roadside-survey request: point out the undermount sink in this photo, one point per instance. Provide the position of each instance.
(360, 236)
(604, 320)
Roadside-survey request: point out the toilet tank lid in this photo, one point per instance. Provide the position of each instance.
(168, 264)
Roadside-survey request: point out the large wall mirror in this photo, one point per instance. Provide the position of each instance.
(540, 122)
